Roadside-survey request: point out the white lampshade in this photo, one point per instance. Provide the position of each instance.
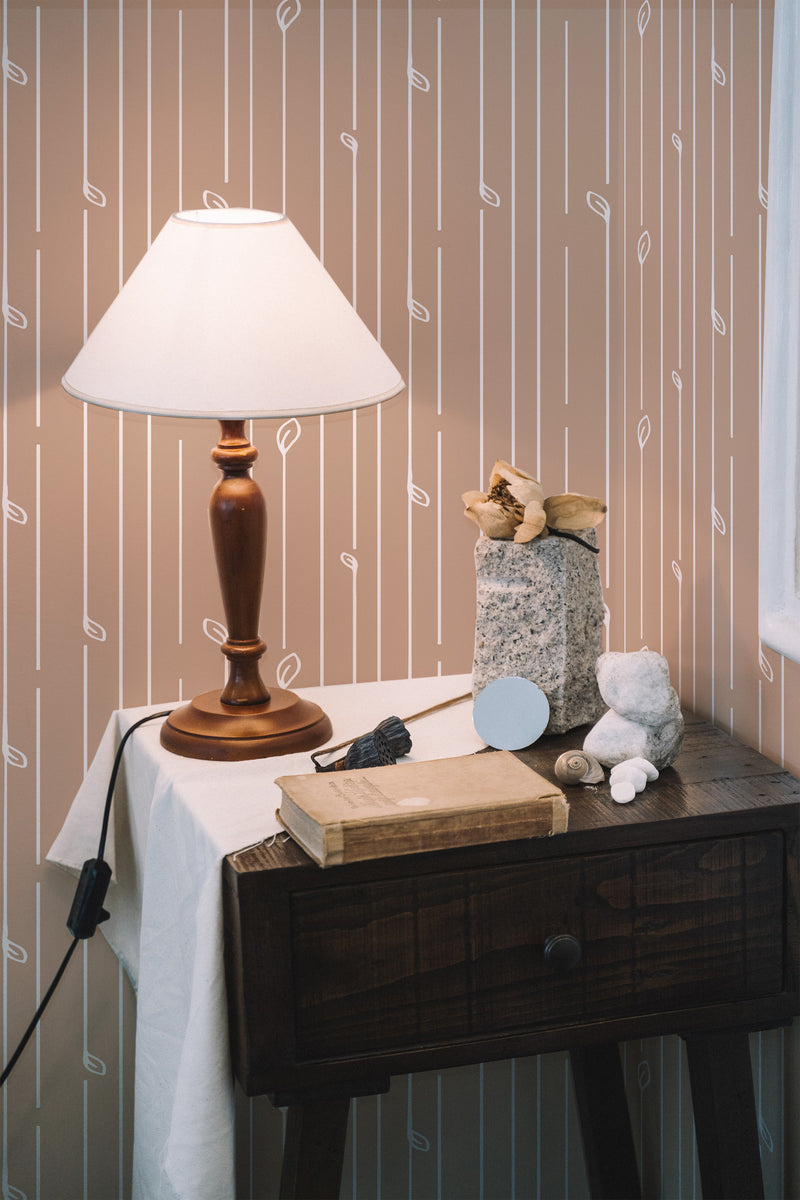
(231, 314)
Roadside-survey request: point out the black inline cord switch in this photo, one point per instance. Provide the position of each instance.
(87, 910)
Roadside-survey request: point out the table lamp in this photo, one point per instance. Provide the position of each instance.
(231, 315)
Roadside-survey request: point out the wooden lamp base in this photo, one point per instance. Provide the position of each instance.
(245, 719)
(208, 728)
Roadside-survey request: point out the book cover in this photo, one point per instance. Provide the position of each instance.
(346, 816)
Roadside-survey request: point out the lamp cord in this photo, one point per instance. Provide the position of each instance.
(87, 911)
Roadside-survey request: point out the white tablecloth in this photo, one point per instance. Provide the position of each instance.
(174, 820)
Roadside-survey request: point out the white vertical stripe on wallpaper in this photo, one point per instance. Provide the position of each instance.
(439, 538)
(538, 239)
(566, 324)
(608, 92)
(38, 779)
(378, 334)
(226, 88)
(661, 328)
(355, 64)
(250, 109)
(513, 247)
(322, 260)
(481, 365)
(149, 123)
(566, 117)
(439, 126)
(694, 353)
(38, 121)
(714, 318)
(624, 335)
(410, 320)
(38, 535)
(180, 110)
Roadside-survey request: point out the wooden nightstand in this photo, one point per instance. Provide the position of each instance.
(677, 913)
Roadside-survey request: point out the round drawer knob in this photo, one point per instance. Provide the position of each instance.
(562, 951)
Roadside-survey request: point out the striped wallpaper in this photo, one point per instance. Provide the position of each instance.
(553, 217)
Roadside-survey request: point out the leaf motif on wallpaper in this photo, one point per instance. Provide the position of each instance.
(489, 195)
(765, 665)
(418, 1141)
(287, 435)
(212, 200)
(643, 247)
(14, 1193)
(93, 194)
(677, 572)
(719, 323)
(418, 311)
(14, 512)
(92, 629)
(94, 1064)
(643, 17)
(14, 757)
(718, 520)
(287, 13)
(348, 140)
(717, 73)
(14, 952)
(606, 616)
(765, 1135)
(349, 560)
(288, 669)
(12, 72)
(677, 143)
(643, 1075)
(676, 379)
(418, 496)
(418, 80)
(14, 316)
(763, 196)
(598, 204)
(643, 431)
(214, 631)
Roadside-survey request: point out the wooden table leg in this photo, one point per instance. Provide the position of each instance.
(605, 1122)
(725, 1118)
(313, 1149)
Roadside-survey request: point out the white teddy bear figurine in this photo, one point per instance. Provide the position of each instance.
(644, 718)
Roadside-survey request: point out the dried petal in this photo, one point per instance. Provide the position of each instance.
(573, 511)
(533, 522)
(492, 518)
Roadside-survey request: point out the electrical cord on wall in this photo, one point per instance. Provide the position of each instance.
(87, 910)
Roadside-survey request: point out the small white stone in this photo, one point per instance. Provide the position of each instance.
(627, 771)
(623, 792)
(645, 765)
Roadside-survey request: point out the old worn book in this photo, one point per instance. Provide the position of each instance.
(345, 816)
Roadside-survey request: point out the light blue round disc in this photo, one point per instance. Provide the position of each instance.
(510, 713)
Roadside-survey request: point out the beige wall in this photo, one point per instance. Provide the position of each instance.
(553, 216)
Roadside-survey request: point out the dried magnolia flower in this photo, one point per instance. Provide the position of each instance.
(512, 508)
(515, 507)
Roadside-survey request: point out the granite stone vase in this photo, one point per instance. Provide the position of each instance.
(540, 615)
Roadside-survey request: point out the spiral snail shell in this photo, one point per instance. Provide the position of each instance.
(576, 766)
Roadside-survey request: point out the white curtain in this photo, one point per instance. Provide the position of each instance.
(779, 601)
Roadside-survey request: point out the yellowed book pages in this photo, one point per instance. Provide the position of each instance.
(346, 816)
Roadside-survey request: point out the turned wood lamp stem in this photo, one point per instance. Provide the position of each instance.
(238, 518)
(246, 719)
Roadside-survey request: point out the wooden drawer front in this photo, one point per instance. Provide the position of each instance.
(419, 961)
